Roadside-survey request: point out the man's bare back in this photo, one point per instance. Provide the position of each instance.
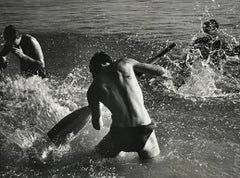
(116, 86)
(122, 95)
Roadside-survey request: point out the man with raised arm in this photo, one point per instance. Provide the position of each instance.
(213, 45)
(116, 86)
(26, 48)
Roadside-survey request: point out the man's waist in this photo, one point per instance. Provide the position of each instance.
(132, 125)
(123, 129)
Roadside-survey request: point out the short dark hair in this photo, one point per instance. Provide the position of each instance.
(11, 33)
(210, 25)
(99, 60)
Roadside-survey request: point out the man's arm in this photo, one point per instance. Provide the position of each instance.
(149, 68)
(38, 54)
(3, 60)
(6, 49)
(144, 67)
(234, 51)
(94, 106)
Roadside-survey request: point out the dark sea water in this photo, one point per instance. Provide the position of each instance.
(198, 124)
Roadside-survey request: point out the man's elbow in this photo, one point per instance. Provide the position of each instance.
(42, 63)
(160, 70)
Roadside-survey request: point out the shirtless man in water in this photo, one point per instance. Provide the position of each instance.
(116, 86)
(26, 48)
(213, 46)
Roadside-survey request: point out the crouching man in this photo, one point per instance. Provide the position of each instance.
(116, 86)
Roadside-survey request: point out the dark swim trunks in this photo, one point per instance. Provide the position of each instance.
(131, 139)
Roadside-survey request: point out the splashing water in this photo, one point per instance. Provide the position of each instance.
(201, 82)
(31, 107)
(205, 78)
(27, 103)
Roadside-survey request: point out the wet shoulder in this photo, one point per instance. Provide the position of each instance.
(26, 38)
(203, 40)
(97, 85)
(98, 90)
(124, 65)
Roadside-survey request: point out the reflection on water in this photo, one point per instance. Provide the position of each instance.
(150, 19)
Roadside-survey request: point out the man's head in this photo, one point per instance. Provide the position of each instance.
(210, 27)
(99, 61)
(10, 34)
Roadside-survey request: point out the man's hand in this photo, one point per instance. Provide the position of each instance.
(167, 75)
(18, 52)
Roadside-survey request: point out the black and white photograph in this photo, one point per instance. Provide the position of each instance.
(81, 80)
